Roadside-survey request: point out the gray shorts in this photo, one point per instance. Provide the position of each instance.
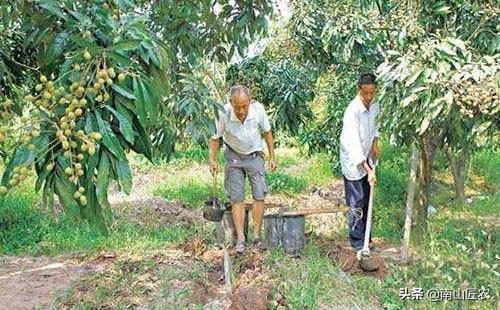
(237, 167)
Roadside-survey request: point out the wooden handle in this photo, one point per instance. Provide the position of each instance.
(313, 211)
(214, 188)
(249, 206)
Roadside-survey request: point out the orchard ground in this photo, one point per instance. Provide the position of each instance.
(160, 252)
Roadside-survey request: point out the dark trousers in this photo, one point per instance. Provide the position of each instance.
(357, 195)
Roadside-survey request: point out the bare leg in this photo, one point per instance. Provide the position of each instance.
(238, 210)
(257, 214)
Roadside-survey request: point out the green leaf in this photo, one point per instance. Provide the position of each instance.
(140, 104)
(149, 99)
(48, 192)
(125, 4)
(424, 125)
(103, 179)
(125, 125)
(108, 137)
(445, 48)
(22, 156)
(124, 175)
(57, 47)
(123, 92)
(444, 10)
(126, 45)
(142, 143)
(457, 42)
(50, 6)
(413, 77)
(406, 101)
(154, 57)
(64, 190)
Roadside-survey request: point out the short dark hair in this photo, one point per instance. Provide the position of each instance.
(367, 79)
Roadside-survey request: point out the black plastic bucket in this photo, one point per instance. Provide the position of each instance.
(286, 232)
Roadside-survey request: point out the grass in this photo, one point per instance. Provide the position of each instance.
(460, 250)
(28, 231)
(458, 253)
(486, 164)
(193, 193)
(315, 281)
(390, 193)
(192, 184)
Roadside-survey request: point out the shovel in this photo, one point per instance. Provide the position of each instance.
(364, 255)
(213, 210)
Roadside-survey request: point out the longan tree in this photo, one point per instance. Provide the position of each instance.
(84, 82)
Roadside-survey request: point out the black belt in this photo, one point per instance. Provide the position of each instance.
(253, 154)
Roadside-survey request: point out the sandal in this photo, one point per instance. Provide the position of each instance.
(257, 242)
(240, 247)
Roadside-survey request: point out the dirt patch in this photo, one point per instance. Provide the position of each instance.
(329, 197)
(249, 298)
(341, 252)
(167, 278)
(156, 211)
(26, 282)
(254, 281)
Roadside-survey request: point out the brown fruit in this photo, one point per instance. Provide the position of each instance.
(50, 167)
(111, 73)
(96, 136)
(87, 56)
(83, 200)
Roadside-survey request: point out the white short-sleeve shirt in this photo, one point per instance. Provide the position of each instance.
(243, 138)
(359, 128)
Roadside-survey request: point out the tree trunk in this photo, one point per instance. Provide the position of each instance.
(409, 205)
(427, 149)
(457, 163)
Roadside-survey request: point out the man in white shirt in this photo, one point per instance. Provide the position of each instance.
(241, 125)
(358, 151)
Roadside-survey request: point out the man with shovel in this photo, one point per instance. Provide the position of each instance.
(359, 152)
(243, 126)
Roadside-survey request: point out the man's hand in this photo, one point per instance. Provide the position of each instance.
(213, 167)
(272, 164)
(372, 178)
(375, 151)
(213, 148)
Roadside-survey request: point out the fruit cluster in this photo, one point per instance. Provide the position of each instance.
(66, 108)
(476, 98)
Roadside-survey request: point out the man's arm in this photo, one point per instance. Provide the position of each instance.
(213, 149)
(350, 138)
(268, 137)
(375, 149)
